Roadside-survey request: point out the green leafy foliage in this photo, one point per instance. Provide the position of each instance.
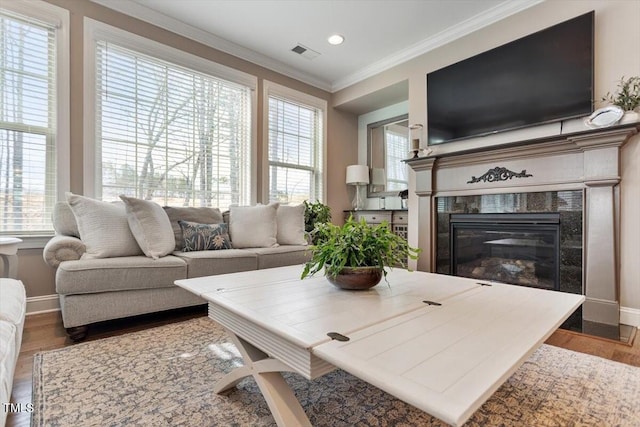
(627, 96)
(357, 244)
(315, 213)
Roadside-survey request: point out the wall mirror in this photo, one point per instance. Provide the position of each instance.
(387, 145)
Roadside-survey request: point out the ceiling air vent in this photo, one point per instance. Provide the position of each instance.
(305, 52)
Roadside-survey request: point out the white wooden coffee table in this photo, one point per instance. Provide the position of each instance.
(443, 344)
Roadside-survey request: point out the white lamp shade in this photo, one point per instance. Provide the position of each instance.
(357, 174)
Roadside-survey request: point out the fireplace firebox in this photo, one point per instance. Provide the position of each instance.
(517, 248)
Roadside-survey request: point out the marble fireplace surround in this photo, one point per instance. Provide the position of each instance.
(588, 161)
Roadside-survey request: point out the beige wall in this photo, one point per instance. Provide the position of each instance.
(341, 138)
(617, 54)
(37, 276)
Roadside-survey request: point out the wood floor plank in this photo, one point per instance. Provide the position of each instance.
(45, 331)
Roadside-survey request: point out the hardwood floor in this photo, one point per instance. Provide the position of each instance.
(44, 332)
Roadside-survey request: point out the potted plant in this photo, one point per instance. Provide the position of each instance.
(627, 96)
(355, 255)
(315, 213)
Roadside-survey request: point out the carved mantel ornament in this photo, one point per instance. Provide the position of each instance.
(499, 174)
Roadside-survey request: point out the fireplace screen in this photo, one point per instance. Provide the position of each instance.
(521, 249)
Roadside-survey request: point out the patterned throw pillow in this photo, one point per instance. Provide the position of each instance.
(204, 237)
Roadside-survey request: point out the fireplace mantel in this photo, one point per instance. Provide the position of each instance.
(588, 161)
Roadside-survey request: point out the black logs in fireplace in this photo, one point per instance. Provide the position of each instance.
(518, 248)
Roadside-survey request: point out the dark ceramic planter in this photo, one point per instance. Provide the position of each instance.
(357, 278)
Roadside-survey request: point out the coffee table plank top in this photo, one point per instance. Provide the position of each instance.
(447, 361)
(305, 311)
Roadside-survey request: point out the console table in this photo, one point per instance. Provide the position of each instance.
(397, 219)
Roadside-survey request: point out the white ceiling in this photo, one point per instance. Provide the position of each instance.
(378, 34)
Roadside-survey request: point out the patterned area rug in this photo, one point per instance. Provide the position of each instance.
(164, 377)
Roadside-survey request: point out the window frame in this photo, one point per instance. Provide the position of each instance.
(274, 89)
(97, 31)
(59, 18)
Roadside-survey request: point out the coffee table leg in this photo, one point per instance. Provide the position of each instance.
(284, 405)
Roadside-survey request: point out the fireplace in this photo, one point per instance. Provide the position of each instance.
(565, 169)
(517, 248)
(528, 239)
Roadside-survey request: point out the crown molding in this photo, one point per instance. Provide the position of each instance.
(475, 23)
(482, 20)
(158, 19)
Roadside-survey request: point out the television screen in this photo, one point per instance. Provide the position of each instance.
(544, 77)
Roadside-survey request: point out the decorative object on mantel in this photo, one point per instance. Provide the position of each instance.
(499, 174)
(627, 97)
(416, 135)
(354, 256)
(358, 175)
(604, 117)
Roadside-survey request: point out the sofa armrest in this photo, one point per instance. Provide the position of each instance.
(63, 248)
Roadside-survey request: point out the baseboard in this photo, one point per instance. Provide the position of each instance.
(43, 304)
(630, 316)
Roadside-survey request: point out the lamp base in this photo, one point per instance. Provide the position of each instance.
(358, 200)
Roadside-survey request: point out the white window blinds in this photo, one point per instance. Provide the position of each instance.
(27, 125)
(168, 133)
(295, 151)
(397, 145)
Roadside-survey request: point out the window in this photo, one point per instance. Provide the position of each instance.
(397, 145)
(296, 144)
(32, 113)
(168, 132)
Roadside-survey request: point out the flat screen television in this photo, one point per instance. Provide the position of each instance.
(544, 77)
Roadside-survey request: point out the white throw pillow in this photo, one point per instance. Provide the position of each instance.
(253, 226)
(290, 220)
(150, 226)
(103, 227)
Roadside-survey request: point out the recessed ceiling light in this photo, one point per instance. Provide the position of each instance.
(335, 39)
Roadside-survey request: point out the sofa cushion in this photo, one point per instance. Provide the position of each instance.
(253, 226)
(281, 256)
(209, 263)
(8, 357)
(204, 237)
(290, 220)
(201, 215)
(64, 222)
(83, 309)
(13, 305)
(150, 226)
(117, 274)
(103, 227)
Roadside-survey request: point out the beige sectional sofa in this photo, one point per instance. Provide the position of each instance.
(102, 276)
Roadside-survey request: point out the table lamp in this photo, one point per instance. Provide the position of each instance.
(358, 175)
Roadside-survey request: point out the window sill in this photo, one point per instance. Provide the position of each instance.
(32, 242)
